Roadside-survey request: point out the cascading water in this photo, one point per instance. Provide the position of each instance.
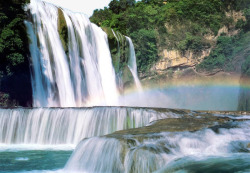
(72, 67)
(163, 152)
(131, 57)
(52, 126)
(82, 76)
(88, 158)
(132, 64)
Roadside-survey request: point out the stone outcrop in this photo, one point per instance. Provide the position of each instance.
(236, 15)
(174, 58)
(189, 121)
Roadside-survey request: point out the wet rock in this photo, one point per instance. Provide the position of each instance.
(175, 125)
(187, 121)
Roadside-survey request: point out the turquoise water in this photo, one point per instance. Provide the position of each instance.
(43, 161)
(232, 163)
(16, 161)
(219, 149)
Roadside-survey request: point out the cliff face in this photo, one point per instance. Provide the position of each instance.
(174, 60)
(176, 65)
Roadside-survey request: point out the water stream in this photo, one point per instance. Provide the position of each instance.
(71, 72)
(82, 74)
(132, 64)
(53, 126)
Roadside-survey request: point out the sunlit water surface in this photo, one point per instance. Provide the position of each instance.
(33, 158)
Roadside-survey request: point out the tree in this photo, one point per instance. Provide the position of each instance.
(14, 52)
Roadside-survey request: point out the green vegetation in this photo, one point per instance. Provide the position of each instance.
(146, 49)
(14, 65)
(119, 47)
(220, 55)
(230, 49)
(173, 24)
(246, 66)
(227, 51)
(63, 30)
(119, 53)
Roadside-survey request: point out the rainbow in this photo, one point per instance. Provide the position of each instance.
(226, 81)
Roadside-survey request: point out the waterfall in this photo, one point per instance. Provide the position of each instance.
(70, 125)
(113, 155)
(163, 152)
(104, 158)
(72, 73)
(132, 64)
(39, 95)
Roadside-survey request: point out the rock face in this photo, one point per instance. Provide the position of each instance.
(175, 125)
(174, 58)
(189, 121)
(236, 15)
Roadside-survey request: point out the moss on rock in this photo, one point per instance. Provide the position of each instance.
(189, 121)
(119, 49)
(62, 30)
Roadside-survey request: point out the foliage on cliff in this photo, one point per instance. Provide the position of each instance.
(14, 66)
(228, 49)
(175, 24)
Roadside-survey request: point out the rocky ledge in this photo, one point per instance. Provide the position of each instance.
(191, 121)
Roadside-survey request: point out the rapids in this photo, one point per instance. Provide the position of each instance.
(72, 70)
(53, 126)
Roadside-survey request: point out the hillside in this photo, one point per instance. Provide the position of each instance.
(169, 35)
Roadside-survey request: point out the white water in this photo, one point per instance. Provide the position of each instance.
(88, 158)
(50, 126)
(152, 152)
(83, 77)
(40, 97)
(132, 64)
